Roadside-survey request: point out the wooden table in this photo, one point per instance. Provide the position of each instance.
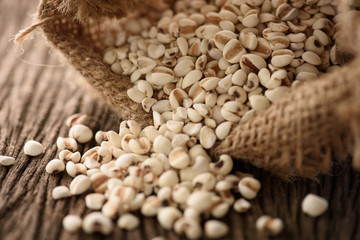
(38, 92)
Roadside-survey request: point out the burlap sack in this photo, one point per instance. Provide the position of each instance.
(297, 136)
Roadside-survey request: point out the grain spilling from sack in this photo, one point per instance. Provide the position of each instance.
(200, 69)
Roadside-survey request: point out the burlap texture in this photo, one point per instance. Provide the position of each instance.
(297, 136)
(82, 10)
(81, 44)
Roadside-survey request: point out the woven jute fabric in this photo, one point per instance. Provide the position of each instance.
(297, 136)
(82, 45)
(82, 10)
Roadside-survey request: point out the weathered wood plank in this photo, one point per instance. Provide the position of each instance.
(35, 101)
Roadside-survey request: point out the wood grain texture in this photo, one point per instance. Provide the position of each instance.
(34, 102)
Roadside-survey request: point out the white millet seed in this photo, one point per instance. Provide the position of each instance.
(6, 160)
(66, 155)
(168, 178)
(150, 206)
(80, 184)
(223, 166)
(179, 158)
(61, 192)
(269, 225)
(81, 133)
(128, 221)
(162, 145)
(167, 216)
(97, 222)
(72, 223)
(204, 181)
(77, 118)
(75, 169)
(207, 137)
(33, 148)
(215, 229)
(55, 166)
(188, 226)
(314, 205)
(95, 201)
(180, 193)
(201, 200)
(249, 187)
(66, 143)
(242, 205)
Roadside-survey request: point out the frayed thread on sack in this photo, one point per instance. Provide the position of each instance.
(83, 10)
